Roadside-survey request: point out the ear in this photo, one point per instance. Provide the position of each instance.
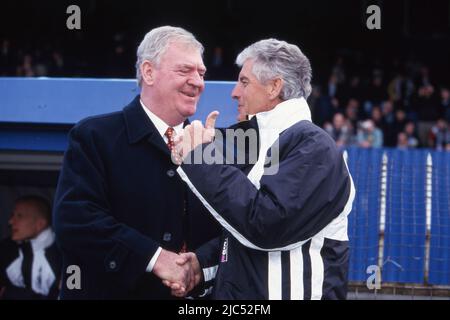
(274, 88)
(147, 72)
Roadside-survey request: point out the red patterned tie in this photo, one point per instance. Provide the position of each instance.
(169, 135)
(171, 145)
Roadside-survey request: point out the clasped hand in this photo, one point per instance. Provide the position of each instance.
(180, 272)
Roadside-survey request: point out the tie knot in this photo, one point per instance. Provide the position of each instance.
(169, 133)
(170, 141)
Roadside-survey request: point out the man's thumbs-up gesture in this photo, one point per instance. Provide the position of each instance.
(193, 135)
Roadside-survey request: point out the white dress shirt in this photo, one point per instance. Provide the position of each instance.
(161, 126)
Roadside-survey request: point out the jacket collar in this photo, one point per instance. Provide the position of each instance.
(139, 125)
(284, 115)
(43, 240)
(136, 121)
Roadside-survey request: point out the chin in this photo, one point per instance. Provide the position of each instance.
(189, 111)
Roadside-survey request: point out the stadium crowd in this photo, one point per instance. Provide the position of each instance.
(398, 104)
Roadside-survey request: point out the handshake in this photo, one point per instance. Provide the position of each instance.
(180, 272)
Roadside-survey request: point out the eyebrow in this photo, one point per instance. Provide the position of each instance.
(191, 66)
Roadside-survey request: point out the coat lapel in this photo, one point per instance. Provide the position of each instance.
(140, 126)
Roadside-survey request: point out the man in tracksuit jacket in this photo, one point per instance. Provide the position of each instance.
(285, 216)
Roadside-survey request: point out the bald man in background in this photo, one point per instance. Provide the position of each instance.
(30, 262)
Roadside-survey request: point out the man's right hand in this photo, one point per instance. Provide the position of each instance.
(168, 268)
(196, 274)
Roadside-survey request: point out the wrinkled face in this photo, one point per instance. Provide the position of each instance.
(252, 95)
(178, 80)
(25, 222)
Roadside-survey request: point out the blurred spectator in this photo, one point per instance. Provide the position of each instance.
(425, 104)
(400, 90)
(426, 109)
(388, 124)
(369, 135)
(445, 104)
(376, 92)
(41, 69)
(217, 68)
(217, 60)
(355, 88)
(377, 117)
(118, 60)
(439, 136)
(352, 90)
(322, 106)
(395, 91)
(26, 68)
(424, 77)
(30, 262)
(339, 130)
(400, 120)
(339, 70)
(353, 110)
(402, 141)
(332, 86)
(57, 66)
(411, 135)
(7, 62)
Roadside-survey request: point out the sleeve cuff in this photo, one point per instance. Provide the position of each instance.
(153, 260)
(210, 273)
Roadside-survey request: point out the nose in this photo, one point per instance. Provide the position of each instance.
(235, 94)
(197, 81)
(11, 220)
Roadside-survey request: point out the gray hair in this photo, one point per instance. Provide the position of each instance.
(274, 58)
(157, 41)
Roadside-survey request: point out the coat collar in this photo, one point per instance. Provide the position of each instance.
(139, 125)
(284, 115)
(43, 240)
(137, 122)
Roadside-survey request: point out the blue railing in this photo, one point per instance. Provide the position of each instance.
(32, 109)
(401, 215)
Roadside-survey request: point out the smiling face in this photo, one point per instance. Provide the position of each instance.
(174, 85)
(253, 96)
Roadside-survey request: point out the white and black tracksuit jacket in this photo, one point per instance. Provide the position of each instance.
(285, 234)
